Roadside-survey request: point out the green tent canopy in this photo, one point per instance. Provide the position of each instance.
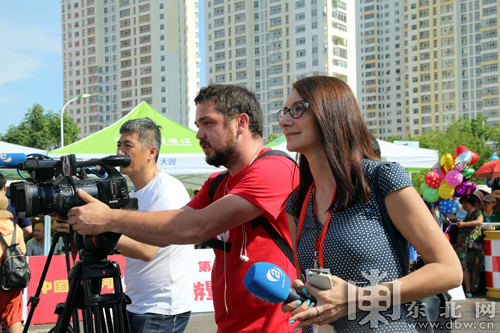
(180, 152)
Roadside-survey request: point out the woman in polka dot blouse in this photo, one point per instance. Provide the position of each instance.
(337, 192)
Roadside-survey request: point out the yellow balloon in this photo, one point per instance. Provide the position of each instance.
(445, 190)
(447, 163)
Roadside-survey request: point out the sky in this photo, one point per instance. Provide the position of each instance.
(31, 57)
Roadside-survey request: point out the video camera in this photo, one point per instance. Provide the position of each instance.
(53, 186)
(53, 189)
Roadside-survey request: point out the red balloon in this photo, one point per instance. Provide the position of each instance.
(474, 158)
(432, 179)
(459, 150)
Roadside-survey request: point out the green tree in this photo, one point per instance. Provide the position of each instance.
(42, 129)
(271, 137)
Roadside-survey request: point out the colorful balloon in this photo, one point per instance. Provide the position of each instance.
(464, 189)
(445, 190)
(432, 179)
(454, 178)
(447, 206)
(463, 160)
(474, 158)
(494, 157)
(424, 187)
(447, 163)
(468, 172)
(459, 150)
(431, 195)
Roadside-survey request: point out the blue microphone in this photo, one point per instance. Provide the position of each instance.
(11, 161)
(270, 284)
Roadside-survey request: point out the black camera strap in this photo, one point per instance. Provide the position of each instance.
(260, 220)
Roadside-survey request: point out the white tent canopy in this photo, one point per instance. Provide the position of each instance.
(10, 148)
(410, 158)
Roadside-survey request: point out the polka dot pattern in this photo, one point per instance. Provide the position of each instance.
(432, 179)
(357, 242)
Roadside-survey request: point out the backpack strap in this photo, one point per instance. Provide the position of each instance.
(13, 243)
(215, 183)
(268, 227)
(3, 241)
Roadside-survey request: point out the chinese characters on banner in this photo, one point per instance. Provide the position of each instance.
(55, 287)
(203, 300)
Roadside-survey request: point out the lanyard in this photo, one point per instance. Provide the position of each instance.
(318, 243)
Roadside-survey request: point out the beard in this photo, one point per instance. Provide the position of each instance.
(225, 155)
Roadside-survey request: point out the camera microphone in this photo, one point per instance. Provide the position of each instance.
(270, 284)
(11, 160)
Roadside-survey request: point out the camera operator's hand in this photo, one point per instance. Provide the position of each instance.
(63, 227)
(89, 219)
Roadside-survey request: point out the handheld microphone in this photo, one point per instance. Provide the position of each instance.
(11, 161)
(270, 284)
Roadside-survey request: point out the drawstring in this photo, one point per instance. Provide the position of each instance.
(244, 257)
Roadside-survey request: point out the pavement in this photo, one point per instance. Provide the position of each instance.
(478, 314)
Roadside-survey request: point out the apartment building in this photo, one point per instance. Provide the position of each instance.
(129, 51)
(267, 45)
(380, 59)
(450, 64)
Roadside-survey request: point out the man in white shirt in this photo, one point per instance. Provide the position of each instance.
(159, 281)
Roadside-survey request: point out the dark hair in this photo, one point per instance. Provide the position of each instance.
(345, 139)
(375, 146)
(149, 133)
(3, 181)
(470, 199)
(233, 100)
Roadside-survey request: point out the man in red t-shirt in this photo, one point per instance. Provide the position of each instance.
(230, 123)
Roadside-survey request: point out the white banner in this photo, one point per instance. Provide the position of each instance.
(203, 261)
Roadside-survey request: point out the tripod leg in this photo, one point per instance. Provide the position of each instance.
(87, 321)
(70, 304)
(109, 320)
(67, 244)
(35, 299)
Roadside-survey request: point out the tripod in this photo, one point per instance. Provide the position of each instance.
(101, 313)
(34, 300)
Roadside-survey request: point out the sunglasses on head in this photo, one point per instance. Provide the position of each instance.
(296, 110)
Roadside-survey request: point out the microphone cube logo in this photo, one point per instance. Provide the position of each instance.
(5, 158)
(275, 274)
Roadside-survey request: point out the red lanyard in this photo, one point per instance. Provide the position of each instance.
(318, 243)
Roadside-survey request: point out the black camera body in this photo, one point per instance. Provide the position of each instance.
(53, 189)
(42, 195)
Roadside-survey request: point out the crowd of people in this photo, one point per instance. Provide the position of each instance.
(325, 208)
(467, 235)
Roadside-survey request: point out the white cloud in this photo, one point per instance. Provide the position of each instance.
(24, 48)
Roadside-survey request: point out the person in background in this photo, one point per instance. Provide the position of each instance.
(11, 301)
(490, 216)
(375, 146)
(159, 280)
(469, 247)
(34, 247)
(336, 204)
(24, 223)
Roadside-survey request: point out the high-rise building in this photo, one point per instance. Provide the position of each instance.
(129, 51)
(267, 45)
(380, 51)
(449, 63)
